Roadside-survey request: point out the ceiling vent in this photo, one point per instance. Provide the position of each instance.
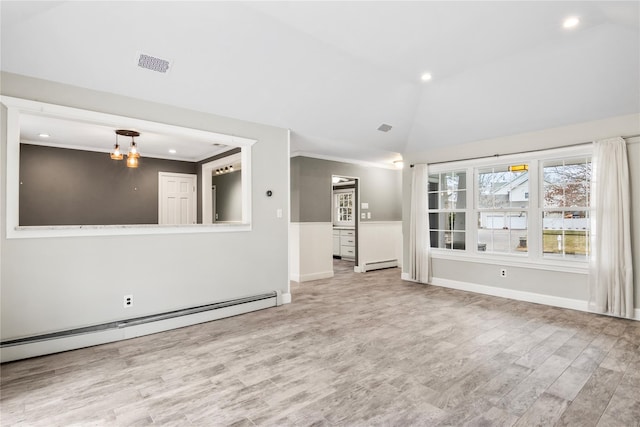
(384, 127)
(152, 63)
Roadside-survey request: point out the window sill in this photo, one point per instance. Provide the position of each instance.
(120, 230)
(576, 267)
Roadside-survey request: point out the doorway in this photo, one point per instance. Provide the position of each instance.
(345, 217)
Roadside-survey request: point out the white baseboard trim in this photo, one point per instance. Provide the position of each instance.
(407, 278)
(573, 304)
(311, 276)
(286, 298)
(73, 342)
(554, 301)
(377, 265)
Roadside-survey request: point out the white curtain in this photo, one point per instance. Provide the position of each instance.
(419, 226)
(611, 271)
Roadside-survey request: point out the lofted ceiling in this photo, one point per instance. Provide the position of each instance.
(333, 72)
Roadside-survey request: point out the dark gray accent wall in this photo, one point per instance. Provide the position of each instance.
(228, 196)
(61, 186)
(311, 189)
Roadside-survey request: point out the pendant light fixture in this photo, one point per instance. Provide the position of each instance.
(116, 154)
(133, 156)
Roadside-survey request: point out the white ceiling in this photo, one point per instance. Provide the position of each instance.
(332, 72)
(93, 136)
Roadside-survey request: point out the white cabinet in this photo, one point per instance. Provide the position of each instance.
(344, 243)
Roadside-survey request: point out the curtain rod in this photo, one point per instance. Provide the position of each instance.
(520, 152)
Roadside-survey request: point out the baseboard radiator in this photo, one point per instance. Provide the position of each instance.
(377, 265)
(55, 342)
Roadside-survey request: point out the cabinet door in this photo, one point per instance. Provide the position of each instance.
(347, 241)
(348, 251)
(336, 245)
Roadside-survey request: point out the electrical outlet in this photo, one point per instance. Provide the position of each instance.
(503, 272)
(128, 301)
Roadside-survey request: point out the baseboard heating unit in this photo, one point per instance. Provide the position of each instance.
(377, 265)
(71, 339)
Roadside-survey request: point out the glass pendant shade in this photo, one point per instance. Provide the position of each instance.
(116, 154)
(132, 161)
(133, 150)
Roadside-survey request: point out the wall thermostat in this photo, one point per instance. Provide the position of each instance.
(269, 193)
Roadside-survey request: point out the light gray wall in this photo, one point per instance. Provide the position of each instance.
(53, 284)
(311, 189)
(228, 195)
(60, 186)
(566, 285)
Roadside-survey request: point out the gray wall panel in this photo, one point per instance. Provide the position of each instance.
(311, 189)
(75, 187)
(228, 196)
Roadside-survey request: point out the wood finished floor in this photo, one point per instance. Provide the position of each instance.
(355, 350)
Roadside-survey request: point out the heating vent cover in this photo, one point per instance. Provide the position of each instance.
(152, 63)
(384, 127)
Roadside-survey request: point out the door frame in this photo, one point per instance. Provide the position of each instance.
(356, 266)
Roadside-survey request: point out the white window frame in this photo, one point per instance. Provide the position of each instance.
(533, 258)
(440, 210)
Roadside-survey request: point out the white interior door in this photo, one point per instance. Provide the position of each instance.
(177, 198)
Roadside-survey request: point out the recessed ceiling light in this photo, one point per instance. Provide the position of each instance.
(426, 77)
(44, 135)
(571, 22)
(172, 151)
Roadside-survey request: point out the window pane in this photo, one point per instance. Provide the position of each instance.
(447, 239)
(453, 199)
(437, 221)
(504, 232)
(433, 237)
(567, 183)
(433, 200)
(454, 181)
(566, 234)
(447, 193)
(499, 188)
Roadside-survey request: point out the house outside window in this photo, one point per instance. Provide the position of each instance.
(565, 214)
(502, 209)
(528, 208)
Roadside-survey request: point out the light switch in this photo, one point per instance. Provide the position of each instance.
(279, 213)
(363, 215)
(368, 215)
(365, 205)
